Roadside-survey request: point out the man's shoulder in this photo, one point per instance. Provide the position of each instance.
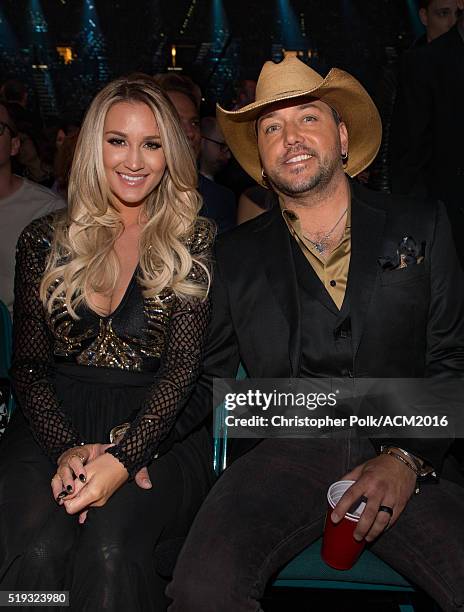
(207, 187)
(35, 193)
(451, 41)
(427, 58)
(395, 205)
(248, 234)
(32, 201)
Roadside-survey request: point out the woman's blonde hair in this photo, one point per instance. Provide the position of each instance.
(82, 258)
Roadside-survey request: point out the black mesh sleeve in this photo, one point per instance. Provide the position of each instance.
(175, 379)
(32, 364)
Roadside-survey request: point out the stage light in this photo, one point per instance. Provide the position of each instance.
(220, 27)
(94, 41)
(38, 21)
(290, 31)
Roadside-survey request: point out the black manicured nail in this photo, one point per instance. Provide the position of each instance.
(82, 477)
(69, 488)
(62, 494)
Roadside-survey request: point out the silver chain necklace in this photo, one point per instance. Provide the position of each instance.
(321, 245)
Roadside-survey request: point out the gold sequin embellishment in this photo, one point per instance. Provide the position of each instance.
(109, 351)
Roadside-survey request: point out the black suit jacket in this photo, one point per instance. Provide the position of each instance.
(407, 323)
(427, 125)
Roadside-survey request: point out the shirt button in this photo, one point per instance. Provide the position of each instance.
(333, 283)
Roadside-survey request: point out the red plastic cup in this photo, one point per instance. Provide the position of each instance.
(339, 548)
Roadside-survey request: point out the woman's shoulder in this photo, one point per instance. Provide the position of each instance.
(202, 236)
(38, 235)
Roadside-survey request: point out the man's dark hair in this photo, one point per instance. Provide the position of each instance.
(13, 91)
(424, 4)
(10, 120)
(180, 83)
(336, 116)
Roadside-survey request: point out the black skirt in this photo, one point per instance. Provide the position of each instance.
(109, 562)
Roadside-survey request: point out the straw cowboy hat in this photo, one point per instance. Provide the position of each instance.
(292, 79)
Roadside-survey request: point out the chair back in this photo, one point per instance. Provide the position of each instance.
(220, 431)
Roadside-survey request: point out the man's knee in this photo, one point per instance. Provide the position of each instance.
(198, 592)
(218, 582)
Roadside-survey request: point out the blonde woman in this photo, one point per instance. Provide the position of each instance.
(111, 310)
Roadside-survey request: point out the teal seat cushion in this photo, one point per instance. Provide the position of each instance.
(5, 348)
(5, 340)
(369, 572)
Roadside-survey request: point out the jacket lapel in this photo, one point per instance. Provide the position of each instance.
(307, 278)
(276, 254)
(367, 225)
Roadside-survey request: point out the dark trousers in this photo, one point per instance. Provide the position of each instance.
(270, 504)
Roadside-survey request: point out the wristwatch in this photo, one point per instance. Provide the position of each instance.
(422, 470)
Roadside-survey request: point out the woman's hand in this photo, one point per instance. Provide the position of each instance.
(105, 475)
(71, 465)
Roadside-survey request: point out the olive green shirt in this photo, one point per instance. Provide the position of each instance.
(333, 270)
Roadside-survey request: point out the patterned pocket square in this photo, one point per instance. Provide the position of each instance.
(408, 253)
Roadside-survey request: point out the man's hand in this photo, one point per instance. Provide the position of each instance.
(104, 476)
(384, 481)
(143, 479)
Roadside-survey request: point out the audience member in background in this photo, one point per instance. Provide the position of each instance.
(21, 201)
(437, 17)
(214, 153)
(218, 202)
(62, 166)
(28, 162)
(246, 93)
(68, 126)
(427, 130)
(254, 201)
(110, 312)
(233, 175)
(15, 92)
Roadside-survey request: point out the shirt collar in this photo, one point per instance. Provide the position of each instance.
(292, 217)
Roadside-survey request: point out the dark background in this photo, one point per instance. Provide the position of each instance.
(218, 42)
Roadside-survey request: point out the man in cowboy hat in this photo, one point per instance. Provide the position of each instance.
(336, 282)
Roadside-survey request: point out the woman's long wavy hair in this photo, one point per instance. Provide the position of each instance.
(82, 259)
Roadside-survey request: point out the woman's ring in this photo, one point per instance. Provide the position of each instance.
(80, 457)
(386, 509)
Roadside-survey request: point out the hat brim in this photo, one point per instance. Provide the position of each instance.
(340, 91)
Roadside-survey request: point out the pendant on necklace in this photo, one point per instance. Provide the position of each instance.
(320, 248)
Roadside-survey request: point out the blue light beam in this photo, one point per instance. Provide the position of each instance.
(290, 33)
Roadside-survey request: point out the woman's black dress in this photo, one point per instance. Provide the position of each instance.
(74, 381)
